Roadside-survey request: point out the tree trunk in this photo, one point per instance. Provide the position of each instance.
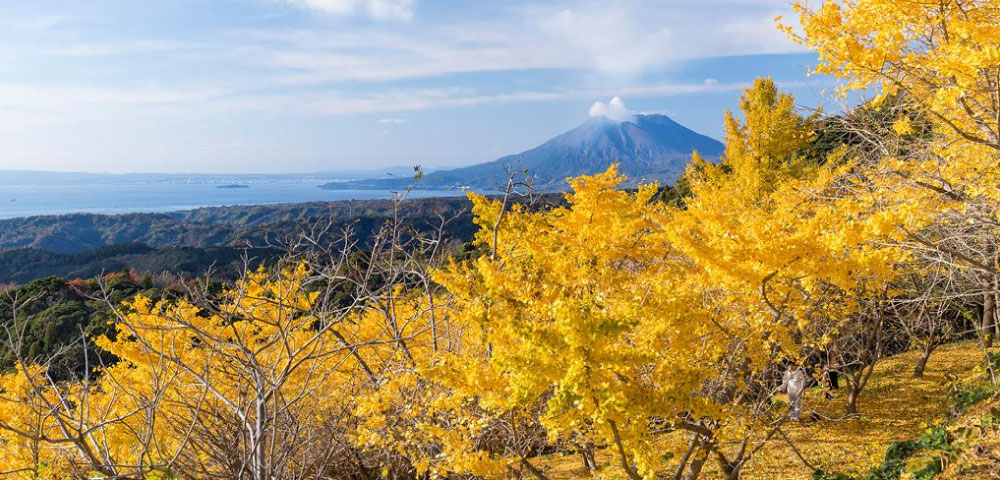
(994, 287)
(986, 328)
(852, 399)
(925, 354)
(699, 461)
(730, 469)
(682, 464)
(622, 456)
(996, 327)
(587, 452)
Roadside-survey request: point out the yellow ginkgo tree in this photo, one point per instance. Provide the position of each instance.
(629, 321)
(938, 61)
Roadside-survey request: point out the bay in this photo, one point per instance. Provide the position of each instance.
(104, 197)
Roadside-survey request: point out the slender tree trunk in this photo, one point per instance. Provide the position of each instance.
(995, 286)
(987, 325)
(731, 469)
(729, 472)
(682, 464)
(540, 475)
(996, 326)
(856, 384)
(853, 392)
(623, 457)
(699, 461)
(587, 452)
(925, 355)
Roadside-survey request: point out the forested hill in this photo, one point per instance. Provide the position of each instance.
(26, 264)
(220, 226)
(191, 242)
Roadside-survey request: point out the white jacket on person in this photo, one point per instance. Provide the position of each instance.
(794, 381)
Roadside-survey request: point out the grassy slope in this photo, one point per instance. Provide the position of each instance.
(895, 407)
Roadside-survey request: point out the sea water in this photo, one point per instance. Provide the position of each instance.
(25, 200)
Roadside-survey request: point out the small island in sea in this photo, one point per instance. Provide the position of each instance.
(233, 185)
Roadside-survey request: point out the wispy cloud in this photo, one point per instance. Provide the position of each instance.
(379, 9)
(620, 39)
(33, 105)
(40, 22)
(293, 72)
(608, 39)
(41, 106)
(424, 99)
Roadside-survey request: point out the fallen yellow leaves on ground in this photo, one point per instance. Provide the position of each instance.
(895, 407)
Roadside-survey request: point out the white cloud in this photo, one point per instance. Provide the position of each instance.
(617, 40)
(51, 105)
(432, 98)
(758, 34)
(611, 40)
(391, 8)
(380, 9)
(613, 110)
(351, 68)
(43, 22)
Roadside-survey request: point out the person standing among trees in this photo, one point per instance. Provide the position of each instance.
(794, 383)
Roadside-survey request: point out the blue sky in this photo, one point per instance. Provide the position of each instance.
(310, 85)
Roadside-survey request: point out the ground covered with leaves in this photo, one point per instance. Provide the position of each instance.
(945, 424)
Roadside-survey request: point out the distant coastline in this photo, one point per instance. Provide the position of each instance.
(28, 194)
(110, 199)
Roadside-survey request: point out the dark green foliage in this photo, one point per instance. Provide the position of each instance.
(937, 438)
(24, 265)
(894, 462)
(848, 129)
(994, 360)
(54, 315)
(674, 195)
(964, 397)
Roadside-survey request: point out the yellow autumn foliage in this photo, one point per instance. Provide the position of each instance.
(654, 333)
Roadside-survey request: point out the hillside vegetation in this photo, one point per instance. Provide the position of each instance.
(222, 226)
(640, 334)
(191, 243)
(24, 265)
